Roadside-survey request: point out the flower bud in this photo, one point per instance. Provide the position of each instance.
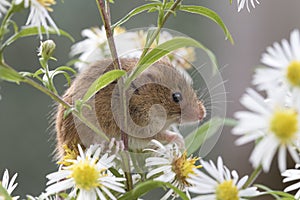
(46, 49)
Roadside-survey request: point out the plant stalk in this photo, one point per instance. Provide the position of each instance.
(105, 15)
(159, 27)
(58, 99)
(67, 106)
(253, 176)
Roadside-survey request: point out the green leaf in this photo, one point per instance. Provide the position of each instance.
(31, 31)
(165, 48)
(200, 10)
(72, 62)
(276, 194)
(10, 75)
(66, 75)
(102, 82)
(62, 70)
(115, 172)
(136, 11)
(3, 193)
(195, 139)
(230, 122)
(147, 186)
(15, 25)
(65, 68)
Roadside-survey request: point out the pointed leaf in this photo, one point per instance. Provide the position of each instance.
(10, 75)
(31, 31)
(200, 10)
(147, 186)
(195, 139)
(165, 48)
(134, 12)
(102, 82)
(276, 194)
(65, 68)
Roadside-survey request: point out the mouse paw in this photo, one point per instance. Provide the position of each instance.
(173, 137)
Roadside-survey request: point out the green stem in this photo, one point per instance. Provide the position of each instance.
(253, 176)
(127, 170)
(66, 105)
(105, 15)
(104, 10)
(159, 27)
(58, 99)
(50, 84)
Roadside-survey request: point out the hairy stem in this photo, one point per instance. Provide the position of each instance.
(127, 171)
(105, 15)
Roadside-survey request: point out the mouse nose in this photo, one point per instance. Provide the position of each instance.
(202, 111)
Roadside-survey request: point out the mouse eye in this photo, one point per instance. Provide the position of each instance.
(177, 97)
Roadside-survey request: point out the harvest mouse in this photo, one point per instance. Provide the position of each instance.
(159, 97)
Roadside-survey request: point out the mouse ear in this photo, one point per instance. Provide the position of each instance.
(150, 74)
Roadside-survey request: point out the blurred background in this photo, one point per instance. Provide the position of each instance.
(26, 134)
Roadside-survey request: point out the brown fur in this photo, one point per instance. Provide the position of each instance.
(163, 80)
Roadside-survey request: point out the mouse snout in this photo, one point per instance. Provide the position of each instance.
(193, 113)
(202, 111)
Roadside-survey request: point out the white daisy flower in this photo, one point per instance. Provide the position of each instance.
(273, 123)
(292, 175)
(9, 185)
(243, 3)
(128, 45)
(3, 7)
(87, 177)
(220, 183)
(284, 65)
(131, 45)
(172, 166)
(39, 16)
(93, 48)
(43, 196)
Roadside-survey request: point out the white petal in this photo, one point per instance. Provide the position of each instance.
(282, 158)
(249, 192)
(158, 170)
(57, 176)
(295, 43)
(249, 137)
(59, 186)
(292, 187)
(111, 196)
(294, 154)
(242, 182)
(205, 197)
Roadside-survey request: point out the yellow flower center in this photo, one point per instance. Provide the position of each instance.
(118, 30)
(284, 124)
(86, 175)
(183, 167)
(47, 4)
(70, 154)
(227, 191)
(293, 73)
